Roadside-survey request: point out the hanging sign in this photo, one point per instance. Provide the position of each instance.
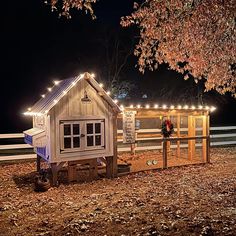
(129, 126)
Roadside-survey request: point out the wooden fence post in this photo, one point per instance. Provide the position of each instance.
(164, 154)
(208, 149)
(178, 135)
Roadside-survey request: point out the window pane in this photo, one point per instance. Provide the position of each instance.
(67, 142)
(75, 128)
(89, 141)
(76, 142)
(67, 130)
(98, 140)
(90, 128)
(97, 128)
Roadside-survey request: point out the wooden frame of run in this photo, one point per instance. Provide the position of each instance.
(192, 115)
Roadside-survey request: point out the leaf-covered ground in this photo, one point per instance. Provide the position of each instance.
(192, 200)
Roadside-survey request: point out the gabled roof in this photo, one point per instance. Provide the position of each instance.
(60, 89)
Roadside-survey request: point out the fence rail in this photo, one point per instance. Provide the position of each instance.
(216, 140)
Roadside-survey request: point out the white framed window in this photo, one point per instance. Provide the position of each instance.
(82, 135)
(94, 134)
(70, 133)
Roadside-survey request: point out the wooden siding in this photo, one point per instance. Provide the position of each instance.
(70, 107)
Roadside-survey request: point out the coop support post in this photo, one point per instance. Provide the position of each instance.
(164, 154)
(38, 163)
(111, 161)
(54, 173)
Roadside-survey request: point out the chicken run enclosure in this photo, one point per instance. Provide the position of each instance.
(78, 128)
(189, 143)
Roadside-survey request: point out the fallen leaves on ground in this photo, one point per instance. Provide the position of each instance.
(190, 200)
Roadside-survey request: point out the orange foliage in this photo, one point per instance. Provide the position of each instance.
(196, 37)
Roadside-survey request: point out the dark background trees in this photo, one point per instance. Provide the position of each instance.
(37, 47)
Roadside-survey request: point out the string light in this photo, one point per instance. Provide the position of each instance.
(147, 106)
(213, 108)
(29, 109)
(73, 83)
(56, 82)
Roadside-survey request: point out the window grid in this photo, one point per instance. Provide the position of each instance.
(94, 134)
(71, 136)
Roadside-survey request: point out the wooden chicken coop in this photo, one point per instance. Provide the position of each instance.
(141, 125)
(74, 123)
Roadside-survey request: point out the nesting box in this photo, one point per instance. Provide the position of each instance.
(75, 120)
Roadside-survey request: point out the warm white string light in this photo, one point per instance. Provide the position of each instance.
(213, 109)
(56, 82)
(147, 106)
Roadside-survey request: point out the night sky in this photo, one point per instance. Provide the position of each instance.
(37, 47)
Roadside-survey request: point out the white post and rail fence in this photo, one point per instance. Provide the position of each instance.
(219, 136)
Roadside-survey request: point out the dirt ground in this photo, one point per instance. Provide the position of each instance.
(187, 200)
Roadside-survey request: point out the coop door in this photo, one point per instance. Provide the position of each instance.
(82, 135)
